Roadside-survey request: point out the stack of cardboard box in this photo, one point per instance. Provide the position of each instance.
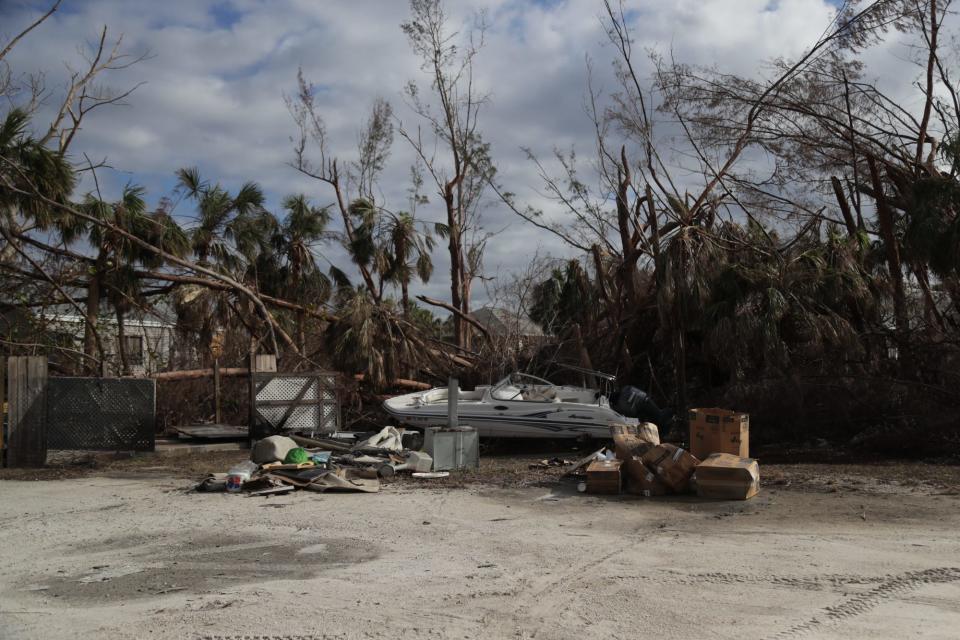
(720, 438)
(651, 468)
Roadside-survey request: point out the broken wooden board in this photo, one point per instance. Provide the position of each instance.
(213, 431)
(272, 491)
(583, 462)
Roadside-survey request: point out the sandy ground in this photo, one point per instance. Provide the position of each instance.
(823, 552)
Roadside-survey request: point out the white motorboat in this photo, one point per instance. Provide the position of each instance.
(519, 406)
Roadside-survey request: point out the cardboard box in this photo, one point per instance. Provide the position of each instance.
(603, 476)
(719, 431)
(644, 483)
(634, 439)
(646, 430)
(728, 477)
(672, 465)
(633, 468)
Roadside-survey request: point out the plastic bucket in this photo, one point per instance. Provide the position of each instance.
(235, 481)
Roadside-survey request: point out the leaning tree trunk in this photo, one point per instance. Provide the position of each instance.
(456, 266)
(891, 246)
(302, 331)
(680, 341)
(90, 346)
(670, 273)
(466, 283)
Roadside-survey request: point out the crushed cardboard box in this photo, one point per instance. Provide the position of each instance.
(634, 439)
(672, 465)
(646, 483)
(729, 477)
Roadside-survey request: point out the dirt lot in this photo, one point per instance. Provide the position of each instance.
(121, 549)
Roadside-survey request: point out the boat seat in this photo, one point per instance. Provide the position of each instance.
(536, 395)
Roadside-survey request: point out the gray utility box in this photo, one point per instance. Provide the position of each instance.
(451, 449)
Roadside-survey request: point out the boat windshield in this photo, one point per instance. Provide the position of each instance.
(523, 387)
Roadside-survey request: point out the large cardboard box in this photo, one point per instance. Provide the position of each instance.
(672, 465)
(633, 467)
(603, 476)
(634, 439)
(728, 477)
(719, 431)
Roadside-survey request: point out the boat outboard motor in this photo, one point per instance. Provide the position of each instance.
(635, 403)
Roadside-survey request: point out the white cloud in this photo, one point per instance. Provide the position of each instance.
(213, 92)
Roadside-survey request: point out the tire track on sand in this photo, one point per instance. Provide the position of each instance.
(860, 604)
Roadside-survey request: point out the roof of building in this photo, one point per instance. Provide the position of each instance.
(73, 318)
(504, 322)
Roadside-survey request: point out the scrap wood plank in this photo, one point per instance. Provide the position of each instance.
(270, 491)
(212, 431)
(3, 401)
(265, 362)
(582, 462)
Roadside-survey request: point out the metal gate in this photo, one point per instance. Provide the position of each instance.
(304, 402)
(105, 414)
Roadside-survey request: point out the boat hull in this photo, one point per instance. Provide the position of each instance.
(548, 424)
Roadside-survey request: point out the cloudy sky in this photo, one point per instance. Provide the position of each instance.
(213, 86)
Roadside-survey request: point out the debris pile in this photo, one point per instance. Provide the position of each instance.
(280, 464)
(640, 464)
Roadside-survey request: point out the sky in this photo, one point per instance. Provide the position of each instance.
(213, 86)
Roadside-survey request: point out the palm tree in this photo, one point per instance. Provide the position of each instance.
(300, 278)
(567, 297)
(27, 168)
(223, 219)
(410, 250)
(232, 233)
(770, 303)
(114, 275)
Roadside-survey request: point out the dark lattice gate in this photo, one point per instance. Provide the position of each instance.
(101, 414)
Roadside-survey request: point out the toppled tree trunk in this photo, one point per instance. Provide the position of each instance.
(194, 374)
(892, 250)
(399, 382)
(457, 313)
(844, 206)
(90, 345)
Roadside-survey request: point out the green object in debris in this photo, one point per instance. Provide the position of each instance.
(296, 456)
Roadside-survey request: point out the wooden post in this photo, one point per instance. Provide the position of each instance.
(216, 390)
(453, 397)
(266, 362)
(252, 387)
(3, 410)
(27, 442)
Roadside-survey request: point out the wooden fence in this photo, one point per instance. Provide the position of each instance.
(26, 439)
